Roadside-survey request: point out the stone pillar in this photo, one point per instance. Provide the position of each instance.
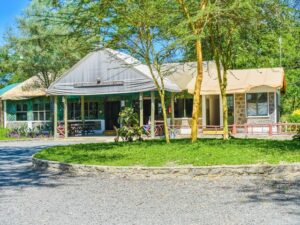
(141, 101)
(152, 114)
(65, 115)
(55, 117)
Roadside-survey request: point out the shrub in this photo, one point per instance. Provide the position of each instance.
(130, 128)
(297, 136)
(294, 117)
(4, 132)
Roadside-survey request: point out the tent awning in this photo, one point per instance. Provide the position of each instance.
(240, 81)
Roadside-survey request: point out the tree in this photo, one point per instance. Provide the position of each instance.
(195, 20)
(228, 19)
(41, 48)
(142, 30)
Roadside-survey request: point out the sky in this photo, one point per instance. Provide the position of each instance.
(9, 10)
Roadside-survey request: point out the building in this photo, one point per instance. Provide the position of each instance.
(94, 90)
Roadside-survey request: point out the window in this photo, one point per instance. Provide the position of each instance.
(21, 112)
(41, 111)
(257, 104)
(74, 109)
(91, 110)
(183, 107)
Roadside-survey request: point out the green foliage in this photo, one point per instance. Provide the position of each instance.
(297, 136)
(130, 128)
(204, 152)
(294, 117)
(4, 133)
(40, 46)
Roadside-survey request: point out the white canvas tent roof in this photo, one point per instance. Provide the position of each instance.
(240, 81)
(107, 71)
(28, 89)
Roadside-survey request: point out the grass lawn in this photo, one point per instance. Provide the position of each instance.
(180, 152)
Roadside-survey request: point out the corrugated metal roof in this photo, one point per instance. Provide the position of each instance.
(7, 88)
(107, 71)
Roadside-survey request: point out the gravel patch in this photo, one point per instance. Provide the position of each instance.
(32, 197)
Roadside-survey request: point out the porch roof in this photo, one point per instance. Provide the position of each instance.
(107, 71)
(28, 89)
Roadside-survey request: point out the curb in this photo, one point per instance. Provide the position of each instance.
(168, 172)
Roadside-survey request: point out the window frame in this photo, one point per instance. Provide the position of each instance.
(257, 115)
(43, 110)
(72, 111)
(22, 111)
(88, 110)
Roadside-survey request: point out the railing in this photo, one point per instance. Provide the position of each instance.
(245, 129)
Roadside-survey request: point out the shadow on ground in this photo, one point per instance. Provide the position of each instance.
(16, 168)
(281, 191)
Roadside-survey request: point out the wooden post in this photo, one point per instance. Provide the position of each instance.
(141, 109)
(65, 115)
(221, 111)
(172, 110)
(234, 129)
(152, 114)
(55, 117)
(270, 130)
(184, 107)
(5, 113)
(82, 110)
(203, 111)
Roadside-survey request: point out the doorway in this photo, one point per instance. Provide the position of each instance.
(112, 110)
(212, 110)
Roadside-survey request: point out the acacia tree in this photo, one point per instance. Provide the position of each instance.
(142, 30)
(223, 30)
(41, 48)
(195, 19)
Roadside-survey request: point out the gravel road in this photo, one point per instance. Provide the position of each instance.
(34, 198)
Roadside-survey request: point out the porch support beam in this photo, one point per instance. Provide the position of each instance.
(5, 113)
(65, 115)
(55, 117)
(184, 107)
(141, 109)
(172, 110)
(221, 111)
(203, 110)
(152, 114)
(275, 106)
(82, 109)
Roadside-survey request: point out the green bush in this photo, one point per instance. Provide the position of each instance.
(294, 118)
(4, 132)
(130, 128)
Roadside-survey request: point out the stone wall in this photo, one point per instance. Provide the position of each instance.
(183, 172)
(240, 111)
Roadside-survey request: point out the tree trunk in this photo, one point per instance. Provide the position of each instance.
(163, 106)
(225, 114)
(197, 100)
